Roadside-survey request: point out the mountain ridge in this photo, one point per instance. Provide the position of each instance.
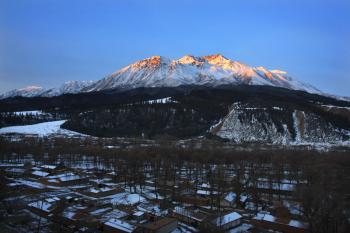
(213, 70)
(159, 71)
(70, 87)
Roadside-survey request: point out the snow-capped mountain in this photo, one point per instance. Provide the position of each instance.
(158, 71)
(71, 87)
(209, 70)
(29, 91)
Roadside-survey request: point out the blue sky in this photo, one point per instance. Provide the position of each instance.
(48, 42)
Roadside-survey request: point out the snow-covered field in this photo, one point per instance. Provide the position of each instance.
(41, 129)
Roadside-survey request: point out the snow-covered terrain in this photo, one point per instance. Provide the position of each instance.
(71, 87)
(251, 124)
(41, 129)
(211, 70)
(30, 91)
(158, 71)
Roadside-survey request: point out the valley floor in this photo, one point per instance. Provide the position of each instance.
(82, 185)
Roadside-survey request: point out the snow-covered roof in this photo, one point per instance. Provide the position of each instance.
(205, 192)
(61, 175)
(40, 173)
(205, 185)
(100, 211)
(128, 199)
(71, 211)
(121, 225)
(99, 190)
(271, 218)
(276, 186)
(69, 178)
(231, 196)
(50, 167)
(11, 164)
(52, 199)
(53, 180)
(42, 205)
(31, 184)
(223, 220)
(138, 213)
(15, 170)
(115, 214)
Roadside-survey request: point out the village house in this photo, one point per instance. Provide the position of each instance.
(194, 200)
(227, 221)
(98, 192)
(192, 217)
(230, 199)
(287, 225)
(77, 215)
(39, 174)
(43, 208)
(163, 225)
(65, 179)
(15, 172)
(138, 215)
(118, 226)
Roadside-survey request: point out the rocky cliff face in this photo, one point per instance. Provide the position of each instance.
(277, 125)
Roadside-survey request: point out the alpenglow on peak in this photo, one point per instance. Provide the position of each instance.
(210, 70)
(159, 71)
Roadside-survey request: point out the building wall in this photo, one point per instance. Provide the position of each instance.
(278, 227)
(168, 228)
(231, 224)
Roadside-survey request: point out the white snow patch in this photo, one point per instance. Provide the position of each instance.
(41, 129)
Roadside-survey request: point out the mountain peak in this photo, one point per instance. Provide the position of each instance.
(159, 71)
(30, 88)
(216, 58)
(279, 72)
(190, 59)
(70, 87)
(28, 91)
(153, 61)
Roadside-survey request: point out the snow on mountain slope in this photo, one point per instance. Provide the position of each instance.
(41, 129)
(30, 91)
(210, 70)
(70, 87)
(272, 125)
(158, 71)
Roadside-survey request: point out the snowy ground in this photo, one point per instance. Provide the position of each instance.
(41, 129)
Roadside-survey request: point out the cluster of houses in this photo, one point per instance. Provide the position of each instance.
(80, 200)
